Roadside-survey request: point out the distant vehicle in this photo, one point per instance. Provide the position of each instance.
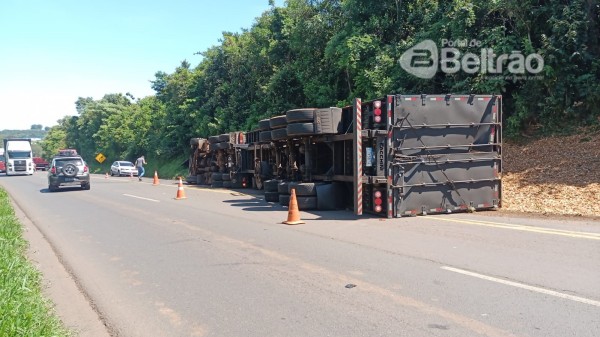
(40, 163)
(18, 156)
(123, 168)
(67, 152)
(68, 171)
(2, 161)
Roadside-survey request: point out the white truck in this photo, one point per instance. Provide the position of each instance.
(18, 156)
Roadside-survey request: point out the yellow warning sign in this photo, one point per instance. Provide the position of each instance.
(100, 158)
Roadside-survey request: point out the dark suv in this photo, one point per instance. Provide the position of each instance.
(68, 171)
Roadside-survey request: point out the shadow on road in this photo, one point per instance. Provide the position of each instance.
(258, 204)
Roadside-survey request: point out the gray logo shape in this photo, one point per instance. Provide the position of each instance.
(421, 60)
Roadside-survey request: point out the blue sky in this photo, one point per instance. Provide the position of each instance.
(52, 52)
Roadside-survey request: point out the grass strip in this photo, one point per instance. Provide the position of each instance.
(24, 311)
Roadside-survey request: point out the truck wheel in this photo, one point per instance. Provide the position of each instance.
(284, 200)
(277, 122)
(227, 184)
(191, 179)
(224, 137)
(213, 139)
(216, 184)
(264, 136)
(271, 185)
(301, 129)
(303, 189)
(216, 176)
(264, 125)
(306, 203)
(279, 134)
(271, 196)
(225, 177)
(282, 188)
(300, 115)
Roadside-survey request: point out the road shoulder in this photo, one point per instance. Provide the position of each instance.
(70, 304)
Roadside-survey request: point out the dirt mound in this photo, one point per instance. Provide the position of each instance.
(553, 175)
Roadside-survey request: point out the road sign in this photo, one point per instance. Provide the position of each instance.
(100, 158)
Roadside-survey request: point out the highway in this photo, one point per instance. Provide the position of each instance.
(220, 263)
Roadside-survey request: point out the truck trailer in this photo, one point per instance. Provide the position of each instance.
(18, 156)
(399, 155)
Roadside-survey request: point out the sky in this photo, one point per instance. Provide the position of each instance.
(52, 52)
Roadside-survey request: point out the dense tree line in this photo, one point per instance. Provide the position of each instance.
(318, 53)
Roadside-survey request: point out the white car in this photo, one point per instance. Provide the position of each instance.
(123, 168)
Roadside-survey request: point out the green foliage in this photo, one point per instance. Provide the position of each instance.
(25, 311)
(317, 53)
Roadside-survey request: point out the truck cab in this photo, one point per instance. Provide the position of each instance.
(18, 156)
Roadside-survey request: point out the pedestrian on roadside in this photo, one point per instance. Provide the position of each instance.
(139, 163)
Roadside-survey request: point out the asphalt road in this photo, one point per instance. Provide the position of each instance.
(220, 263)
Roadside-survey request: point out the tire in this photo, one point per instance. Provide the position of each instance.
(224, 137)
(279, 134)
(284, 200)
(86, 186)
(264, 136)
(112, 174)
(271, 197)
(191, 179)
(216, 176)
(306, 203)
(282, 187)
(303, 189)
(52, 188)
(328, 121)
(213, 139)
(264, 125)
(300, 115)
(227, 184)
(119, 173)
(69, 170)
(201, 179)
(300, 129)
(277, 122)
(221, 146)
(225, 177)
(271, 185)
(216, 184)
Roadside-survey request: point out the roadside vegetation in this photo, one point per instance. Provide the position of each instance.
(324, 53)
(24, 311)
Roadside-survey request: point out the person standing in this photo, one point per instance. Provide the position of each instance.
(139, 163)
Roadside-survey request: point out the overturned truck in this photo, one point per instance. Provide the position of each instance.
(400, 155)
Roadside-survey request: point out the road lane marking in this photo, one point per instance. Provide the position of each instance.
(134, 196)
(524, 286)
(572, 234)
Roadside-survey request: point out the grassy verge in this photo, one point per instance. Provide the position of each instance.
(166, 168)
(23, 309)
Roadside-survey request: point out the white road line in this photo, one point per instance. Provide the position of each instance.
(133, 196)
(525, 286)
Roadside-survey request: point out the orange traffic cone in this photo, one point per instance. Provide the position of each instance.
(155, 182)
(293, 211)
(180, 192)
(106, 175)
